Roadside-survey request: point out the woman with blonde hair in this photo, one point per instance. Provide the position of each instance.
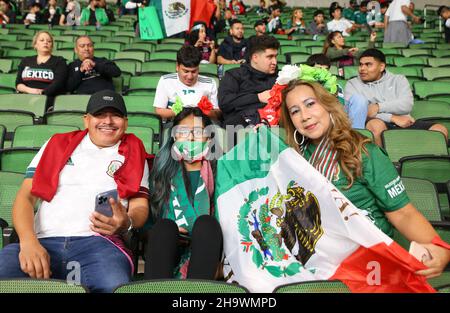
(319, 129)
(296, 24)
(44, 73)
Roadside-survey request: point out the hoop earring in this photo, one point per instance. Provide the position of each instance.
(295, 138)
(332, 120)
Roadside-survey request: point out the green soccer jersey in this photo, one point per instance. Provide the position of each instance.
(360, 17)
(379, 190)
(348, 13)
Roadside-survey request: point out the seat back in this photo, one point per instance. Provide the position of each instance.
(37, 135)
(16, 159)
(324, 286)
(423, 195)
(181, 286)
(27, 285)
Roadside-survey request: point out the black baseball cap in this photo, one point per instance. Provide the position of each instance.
(259, 22)
(106, 99)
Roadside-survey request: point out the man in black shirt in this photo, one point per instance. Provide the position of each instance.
(232, 49)
(244, 90)
(89, 74)
(444, 13)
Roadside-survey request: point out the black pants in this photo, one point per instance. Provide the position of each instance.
(162, 251)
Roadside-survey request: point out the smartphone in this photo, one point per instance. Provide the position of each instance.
(419, 252)
(102, 202)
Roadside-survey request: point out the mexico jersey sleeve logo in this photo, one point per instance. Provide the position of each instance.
(38, 74)
(113, 167)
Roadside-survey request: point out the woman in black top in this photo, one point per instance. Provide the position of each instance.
(43, 74)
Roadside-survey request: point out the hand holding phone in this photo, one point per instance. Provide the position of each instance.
(419, 252)
(102, 204)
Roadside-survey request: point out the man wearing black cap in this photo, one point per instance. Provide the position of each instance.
(69, 239)
(260, 28)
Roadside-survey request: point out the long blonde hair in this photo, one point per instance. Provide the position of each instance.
(348, 144)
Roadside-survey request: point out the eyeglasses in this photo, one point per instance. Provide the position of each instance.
(183, 132)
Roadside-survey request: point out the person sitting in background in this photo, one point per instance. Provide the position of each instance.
(4, 10)
(109, 13)
(444, 13)
(185, 240)
(71, 15)
(350, 10)
(244, 90)
(94, 15)
(70, 240)
(387, 98)
(223, 24)
(89, 74)
(296, 25)
(199, 39)
(318, 25)
(34, 16)
(376, 19)
(43, 74)
(338, 23)
(52, 13)
(274, 25)
(185, 86)
(262, 10)
(340, 54)
(232, 49)
(360, 16)
(260, 27)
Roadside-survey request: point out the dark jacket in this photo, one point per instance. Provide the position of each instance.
(99, 78)
(238, 94)
(231, 50)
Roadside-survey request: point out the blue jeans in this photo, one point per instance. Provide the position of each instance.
(357, 108)
(91, 261)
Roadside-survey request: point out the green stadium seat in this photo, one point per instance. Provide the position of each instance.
(325, 286)
(173, 40)
(409, 72)
(71, 102)
(118, 83)
(108, 46)
(67, 118)
(66, 54)
(139, 103)
(163, 56)
(208, 69)
(350, 72)
(442, 282)
(141, 46)
(412, 61)
(439, 62)
(441, 53)
(397, 143)
(5, 65)
(439, 73)
(432, 90)
(299, 58)
(168, 47)
(9, 185)
(78, 32)
(11, 119)
(27, 285)
(145, 134)
(181, 286)
(24, 102)
(391, 52)
(35, 136)
(7, 83)
(128, 69)
(2, 135)
(428, 108)
(138, 56)
(416, 52)
(142, 85)
(123, 40)
(159, 68)
(227, 67)
(16, 159)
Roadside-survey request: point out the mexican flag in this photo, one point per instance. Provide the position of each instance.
(283, 222)
(176, 16)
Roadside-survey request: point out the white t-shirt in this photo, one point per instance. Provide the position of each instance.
(339, 25)
(395, 10)
(88, 172)
(169, 87)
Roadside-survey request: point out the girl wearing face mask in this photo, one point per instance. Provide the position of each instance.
(319, 129)
(185, 240)
(199, 39)
(72, 14)
(296, 25)
(52, 13)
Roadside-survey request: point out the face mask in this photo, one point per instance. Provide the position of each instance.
(373, 12)
(52, 11)
(190, 151)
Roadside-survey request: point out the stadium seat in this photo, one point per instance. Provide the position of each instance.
(108, 46)
(9, 185)
(409, 72)
(28, 285)
(168, 47)
(138, 57)
(208, 69)
(158, 68)
(24, 102)
(7, 83)
(67, 118)
(142, 85)
(2, 135)
(398, 143)
(71, 102)
(440, 73)
(432, 90)
(298, 58)
(66, 54)
(324, 286)
(163, 56)
(429, 108)
(350, 72)
(141, 46)
(35, 136)
(16, 159)
(393, 45)
(441, 53)
(5, 65)
(145, 134)
(128, 69)
(410, 61)
(140, 103)
(439, 62)
(416, 52)
(181, 286)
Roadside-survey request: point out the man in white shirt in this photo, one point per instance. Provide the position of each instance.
(186, 84)
(338, 23)
(68, 239)
(395, 21)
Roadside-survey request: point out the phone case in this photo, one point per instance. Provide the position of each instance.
(419, 252)
(102, 202)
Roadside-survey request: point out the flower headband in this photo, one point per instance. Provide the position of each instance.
(271, 112)
(191, 102)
